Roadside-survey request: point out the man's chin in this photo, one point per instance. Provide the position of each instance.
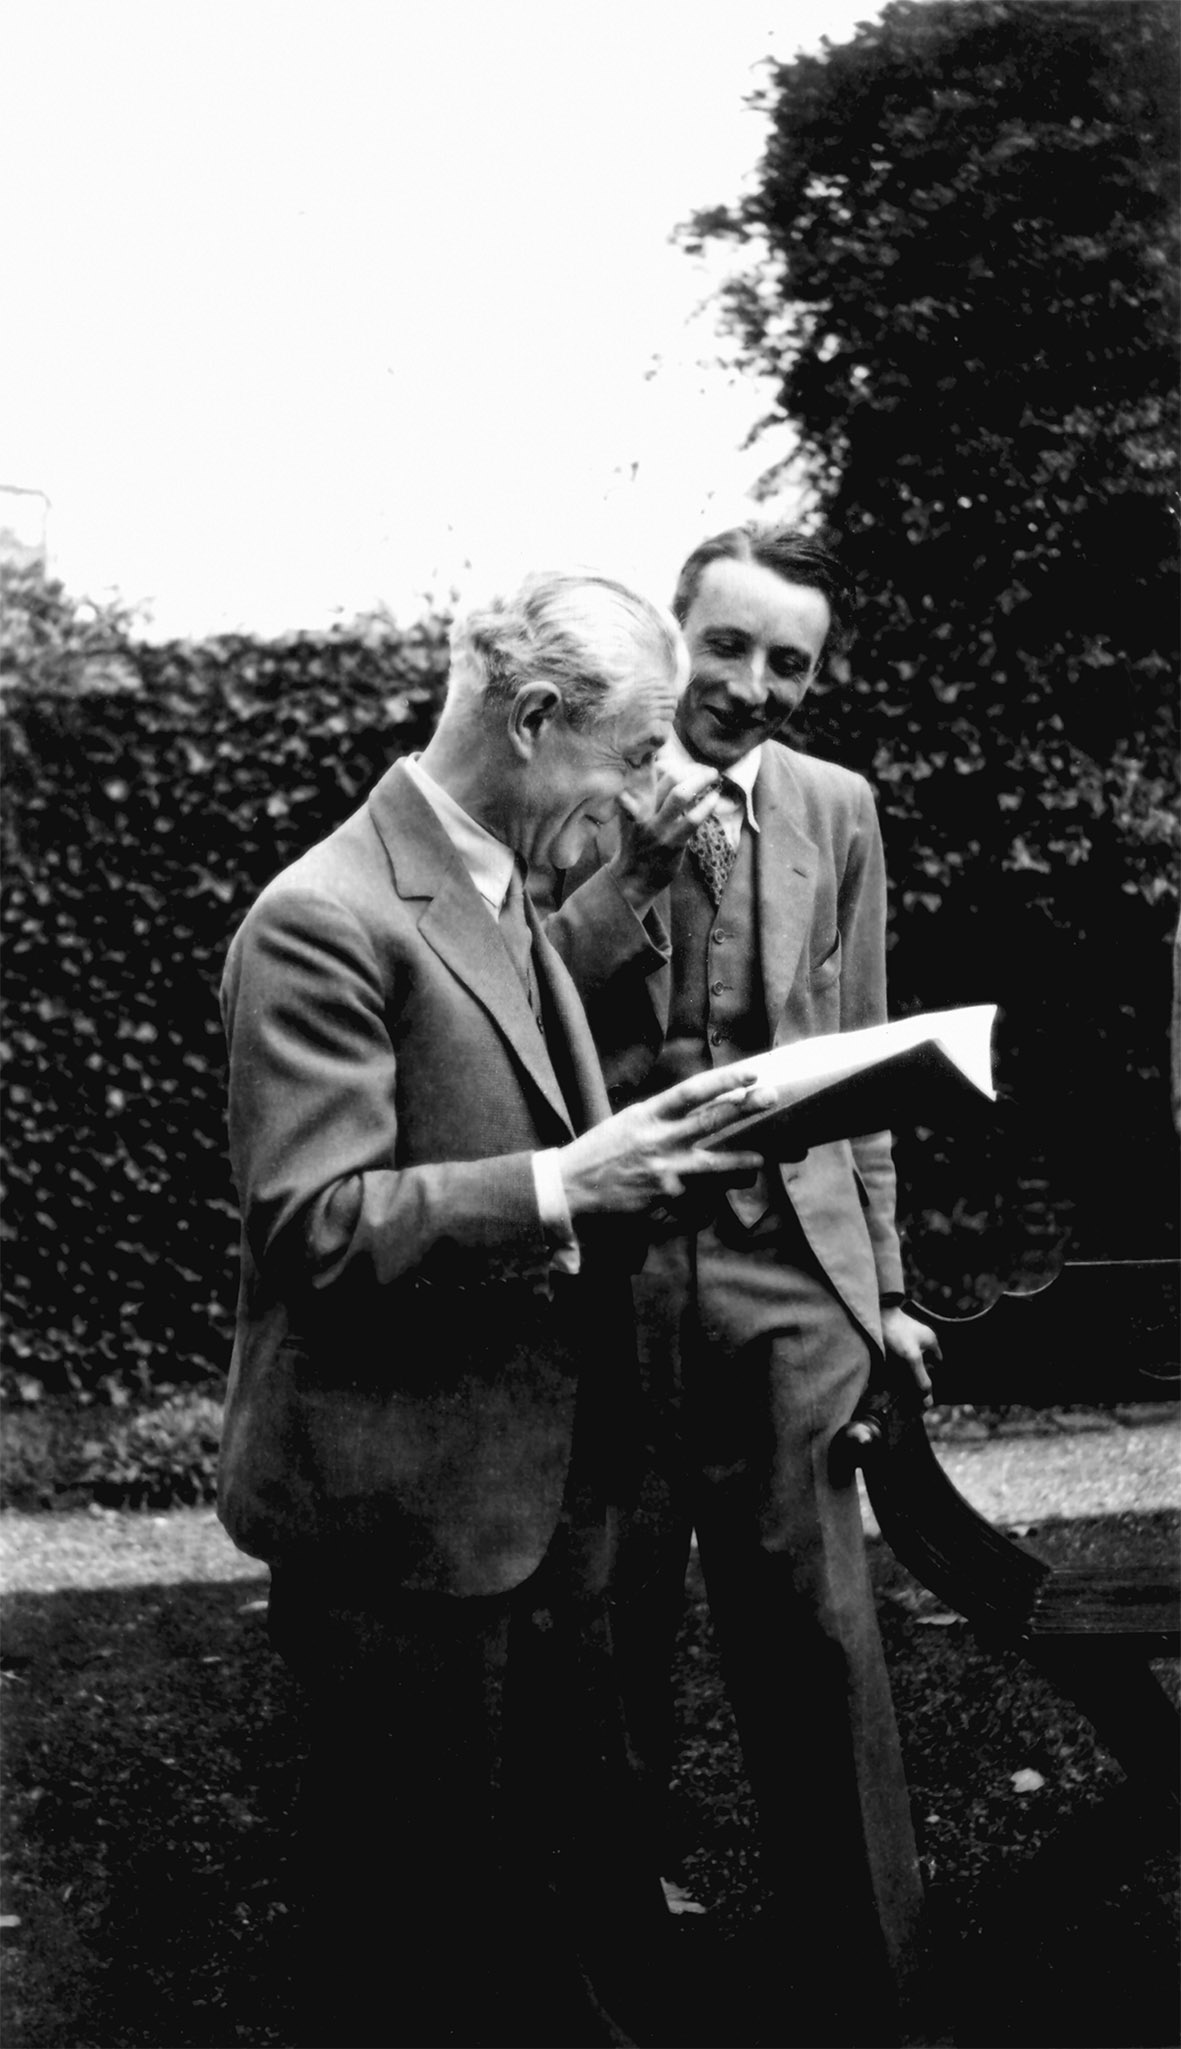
(717, 747)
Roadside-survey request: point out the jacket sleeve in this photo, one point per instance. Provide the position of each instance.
(313, 1119)
(620, 965)
(597, 933)
(861, 917)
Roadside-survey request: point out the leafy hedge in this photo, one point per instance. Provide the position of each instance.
(151, 791)
(74, 1452)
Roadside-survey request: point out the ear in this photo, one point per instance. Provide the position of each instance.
(533, 708)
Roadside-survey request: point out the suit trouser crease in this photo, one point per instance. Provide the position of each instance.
(751, 1363)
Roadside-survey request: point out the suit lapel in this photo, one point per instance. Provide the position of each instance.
(785, 873)
(456, 923)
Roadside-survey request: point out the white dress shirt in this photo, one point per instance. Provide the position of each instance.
(732, 812)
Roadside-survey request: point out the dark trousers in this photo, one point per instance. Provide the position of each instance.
(468, 1825)
(751, 1364)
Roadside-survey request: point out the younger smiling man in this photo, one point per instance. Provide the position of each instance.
(742, 905)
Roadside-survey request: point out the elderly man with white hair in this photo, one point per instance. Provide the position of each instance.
(431, 1406)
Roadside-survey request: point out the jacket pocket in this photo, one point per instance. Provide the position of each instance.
(824, 972)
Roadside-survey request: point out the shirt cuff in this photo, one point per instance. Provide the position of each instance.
(555, 1214)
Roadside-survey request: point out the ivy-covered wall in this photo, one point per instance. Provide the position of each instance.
(150, 791)
(144, 810)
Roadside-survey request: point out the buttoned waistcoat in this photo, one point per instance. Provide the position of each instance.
(820, 905)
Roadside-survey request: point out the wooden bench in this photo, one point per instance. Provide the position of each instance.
(1103, 1333)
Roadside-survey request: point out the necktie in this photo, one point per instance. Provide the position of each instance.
(514, 930)
(711, 849)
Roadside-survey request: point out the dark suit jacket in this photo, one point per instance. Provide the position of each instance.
(405, 1369)
(821, 904)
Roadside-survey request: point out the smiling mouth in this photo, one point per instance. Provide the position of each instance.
(733, 722)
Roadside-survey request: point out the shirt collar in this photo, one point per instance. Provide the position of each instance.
(487, 860)
(676, 758)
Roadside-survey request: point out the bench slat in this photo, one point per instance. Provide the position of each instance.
(1108, 1604)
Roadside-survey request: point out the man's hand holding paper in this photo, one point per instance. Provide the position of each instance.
(647, 1153)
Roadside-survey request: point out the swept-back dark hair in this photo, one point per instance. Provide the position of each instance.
(791, 555)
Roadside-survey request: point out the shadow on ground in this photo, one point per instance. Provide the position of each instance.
(152, 1747)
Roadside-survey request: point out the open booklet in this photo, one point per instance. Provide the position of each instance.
(919, 1070)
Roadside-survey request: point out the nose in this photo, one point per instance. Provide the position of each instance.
(749, 681)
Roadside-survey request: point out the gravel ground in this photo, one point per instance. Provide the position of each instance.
(110, 1548)
(1013, 1480)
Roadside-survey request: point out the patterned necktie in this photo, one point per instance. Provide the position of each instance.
(514, 930)
(711, 849)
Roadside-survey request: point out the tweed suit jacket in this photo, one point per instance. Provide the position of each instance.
(820, 890)
(405, 1366)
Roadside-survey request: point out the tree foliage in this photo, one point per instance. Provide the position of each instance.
(959, 264)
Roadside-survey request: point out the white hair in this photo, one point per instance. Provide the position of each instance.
(586, 634)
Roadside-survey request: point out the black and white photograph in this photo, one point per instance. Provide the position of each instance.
(590, 1002)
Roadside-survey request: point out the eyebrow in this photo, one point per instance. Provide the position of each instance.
(783, 655)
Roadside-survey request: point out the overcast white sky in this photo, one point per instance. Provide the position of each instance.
(314, 303)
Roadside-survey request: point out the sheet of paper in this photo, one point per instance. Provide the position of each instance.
(964, 1034)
